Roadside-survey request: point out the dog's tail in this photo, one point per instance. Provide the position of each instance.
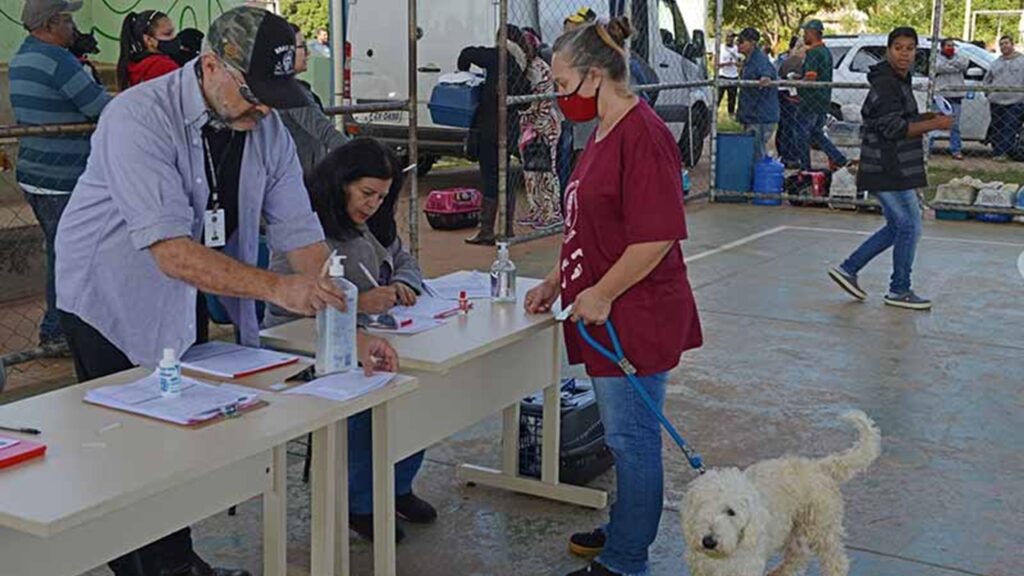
(848, 464)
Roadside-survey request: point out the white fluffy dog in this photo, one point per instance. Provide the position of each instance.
(734, 521)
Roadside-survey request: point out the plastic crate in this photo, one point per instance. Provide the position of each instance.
(993, 218)
(954, 215)
(583, 455)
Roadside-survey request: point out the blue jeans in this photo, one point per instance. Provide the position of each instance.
(762, 133)
(48, 209)
(634, 437)
(955, 141)
(902, 230)
(1004, 127)
(360, 466)
(813, 133)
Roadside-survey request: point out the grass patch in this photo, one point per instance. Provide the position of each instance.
(727, 123)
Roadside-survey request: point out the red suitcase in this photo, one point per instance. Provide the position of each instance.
(454, 208)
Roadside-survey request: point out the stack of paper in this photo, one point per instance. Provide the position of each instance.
(227, 360)
(198, 402)
(476, 285)
(426, 314)
(343, 386)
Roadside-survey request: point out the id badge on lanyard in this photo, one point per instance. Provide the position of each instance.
(214, 226)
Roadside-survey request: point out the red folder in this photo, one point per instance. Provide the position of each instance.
(23, 450)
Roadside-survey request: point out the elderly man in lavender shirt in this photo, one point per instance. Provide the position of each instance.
(183, 170)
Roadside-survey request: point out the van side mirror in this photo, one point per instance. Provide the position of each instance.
(975, 73)
(694, 49)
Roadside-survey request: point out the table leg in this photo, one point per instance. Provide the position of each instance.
(383, 494)
(510, 441)
(275, 517)
(548, 486)
(323, 484)
(342, 564)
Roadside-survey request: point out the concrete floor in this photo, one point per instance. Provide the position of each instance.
(785, 353)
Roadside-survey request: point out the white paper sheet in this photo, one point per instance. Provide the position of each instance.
(477, 285)
(343, 386)
(427, 307)
(228, 360)
(197, 402)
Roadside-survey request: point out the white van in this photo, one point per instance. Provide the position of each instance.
(378, 46)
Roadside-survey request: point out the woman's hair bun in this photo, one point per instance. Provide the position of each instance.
(620, 29)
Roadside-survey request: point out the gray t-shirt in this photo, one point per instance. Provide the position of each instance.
(1006, 72)
(581, 133)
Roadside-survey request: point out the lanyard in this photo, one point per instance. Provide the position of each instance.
(214, 203)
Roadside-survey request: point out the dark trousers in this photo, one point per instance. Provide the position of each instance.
(787, 139)
(96, 357)
(1004, 127)
(48, 209)
(730, 93)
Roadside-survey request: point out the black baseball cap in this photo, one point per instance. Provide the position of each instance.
(262, 46)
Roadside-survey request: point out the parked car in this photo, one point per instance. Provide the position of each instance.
(853, 56)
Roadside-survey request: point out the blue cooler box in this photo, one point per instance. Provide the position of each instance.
(454, 104)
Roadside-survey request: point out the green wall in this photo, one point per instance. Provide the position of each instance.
(104, 17)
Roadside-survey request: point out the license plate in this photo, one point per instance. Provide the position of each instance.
(388, 117)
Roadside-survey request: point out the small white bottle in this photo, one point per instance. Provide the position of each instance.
(336, 330)
(170, 374)
(503, 276)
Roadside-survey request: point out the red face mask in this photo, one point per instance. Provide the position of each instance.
(948, 52)
(577, 108)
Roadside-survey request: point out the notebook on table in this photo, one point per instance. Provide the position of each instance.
(15, 450)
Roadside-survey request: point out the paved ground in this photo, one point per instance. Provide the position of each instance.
(786, 352)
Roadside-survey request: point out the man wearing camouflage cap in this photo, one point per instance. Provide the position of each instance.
(184, 168)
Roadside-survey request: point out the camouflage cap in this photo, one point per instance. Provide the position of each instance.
(262, 46)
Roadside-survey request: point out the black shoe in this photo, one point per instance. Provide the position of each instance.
(587, 544)
(593, 569)
(908, 300)
(412, 508)
(363, 525)
(847, 282)
(199, 567)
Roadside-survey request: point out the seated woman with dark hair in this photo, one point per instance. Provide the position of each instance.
(354, 190)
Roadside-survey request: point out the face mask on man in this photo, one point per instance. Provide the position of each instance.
(948, 51)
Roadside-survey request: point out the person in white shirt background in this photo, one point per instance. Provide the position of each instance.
(728, 68)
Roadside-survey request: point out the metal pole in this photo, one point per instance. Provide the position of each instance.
(968, 30)
(337, 51)
(414, 204)
(933, 55)
(713, 158)
(505, 203)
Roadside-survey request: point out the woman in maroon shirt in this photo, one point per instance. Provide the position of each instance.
(148, 47)
(621, 260)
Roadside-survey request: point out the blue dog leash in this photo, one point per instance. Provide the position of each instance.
(619, 359)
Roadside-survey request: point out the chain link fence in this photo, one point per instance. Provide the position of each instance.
(48, 160)
(668, 69)
(974, 170)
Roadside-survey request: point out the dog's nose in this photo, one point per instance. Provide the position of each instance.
(709, 542)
